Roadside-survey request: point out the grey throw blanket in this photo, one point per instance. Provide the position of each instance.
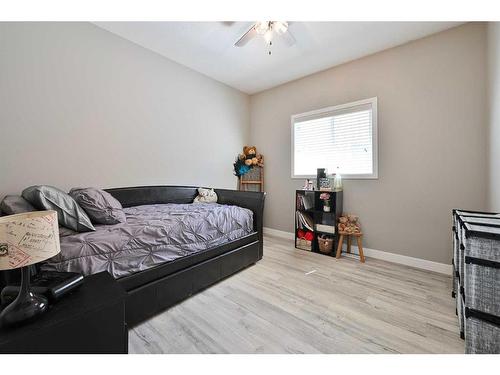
(153, 234)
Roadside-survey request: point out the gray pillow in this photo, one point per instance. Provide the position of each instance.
(101, 206)
(69, 213)
(15, 204)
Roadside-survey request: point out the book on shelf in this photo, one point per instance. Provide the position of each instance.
(304, 202)
(304, 221)
(325, 228)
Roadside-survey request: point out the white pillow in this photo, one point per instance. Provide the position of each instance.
(206, 196)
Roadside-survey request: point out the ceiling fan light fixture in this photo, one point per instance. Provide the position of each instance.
(267, 30)
(262, 27)
(268, 36)
(280, 27)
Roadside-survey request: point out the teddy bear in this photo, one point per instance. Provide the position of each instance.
(251, 157)
(349, 224)
(206, 196)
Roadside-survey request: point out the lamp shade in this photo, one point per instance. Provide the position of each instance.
(28, 238)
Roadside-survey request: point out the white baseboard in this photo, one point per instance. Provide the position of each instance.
(383, 255)
(279, 233)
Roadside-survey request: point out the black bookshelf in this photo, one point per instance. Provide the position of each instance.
(318, 215)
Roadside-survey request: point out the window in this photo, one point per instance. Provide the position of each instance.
(341, 138)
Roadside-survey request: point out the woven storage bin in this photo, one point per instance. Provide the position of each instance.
(482, 242)
(325, 245)
(462, 241)
(482, 268)
(482, 288)
(304, 244)
(481, 337)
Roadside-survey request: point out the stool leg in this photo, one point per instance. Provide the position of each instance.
(349, 244)
(360, 247)
(339, 247)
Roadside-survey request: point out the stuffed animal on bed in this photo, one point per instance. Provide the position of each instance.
(206, 196)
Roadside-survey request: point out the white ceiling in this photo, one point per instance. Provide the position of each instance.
(208, 47)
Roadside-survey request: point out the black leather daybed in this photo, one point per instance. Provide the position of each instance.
(151, 261)
(158, 288)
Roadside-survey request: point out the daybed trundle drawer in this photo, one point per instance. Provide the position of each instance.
(172, 289)
(235, 261)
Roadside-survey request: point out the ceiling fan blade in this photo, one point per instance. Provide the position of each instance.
(246, 37)
(288, 38)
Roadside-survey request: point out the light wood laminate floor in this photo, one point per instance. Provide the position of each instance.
(293, 301)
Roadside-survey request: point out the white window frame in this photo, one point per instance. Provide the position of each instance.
(373, 102)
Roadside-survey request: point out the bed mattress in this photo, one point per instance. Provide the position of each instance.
(152, 235)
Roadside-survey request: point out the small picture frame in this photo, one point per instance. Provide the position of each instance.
(324, 184)
(308, 185)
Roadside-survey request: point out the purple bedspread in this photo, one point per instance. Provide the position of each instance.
(153, 234)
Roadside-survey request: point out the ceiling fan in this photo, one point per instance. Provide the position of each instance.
(267, 30)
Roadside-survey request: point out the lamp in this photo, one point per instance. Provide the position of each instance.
(26, 239)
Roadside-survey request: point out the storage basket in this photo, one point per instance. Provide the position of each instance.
(476, 262)
(325, 244)
(491, 221)
(482, 268)
(304, 244)
(482, 337)
(482, 287)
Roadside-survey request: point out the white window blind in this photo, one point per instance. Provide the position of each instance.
(340, 138)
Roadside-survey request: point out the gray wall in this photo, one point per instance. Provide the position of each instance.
(494, 115)
(432, 139)
(80, 106)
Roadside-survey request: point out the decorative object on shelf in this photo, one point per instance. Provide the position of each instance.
(325, 197)
(249, 168)
(325, 243)
(349, 224)
(324, 184)
(337, 181)
(308, 184)
(29, 238)
(320, 173)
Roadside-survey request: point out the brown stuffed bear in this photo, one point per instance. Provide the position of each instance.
(349, 224)
(251, 157)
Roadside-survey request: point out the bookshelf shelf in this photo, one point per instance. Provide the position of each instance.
(309, 213)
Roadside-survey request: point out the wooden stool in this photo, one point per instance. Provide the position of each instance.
(349, 235)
